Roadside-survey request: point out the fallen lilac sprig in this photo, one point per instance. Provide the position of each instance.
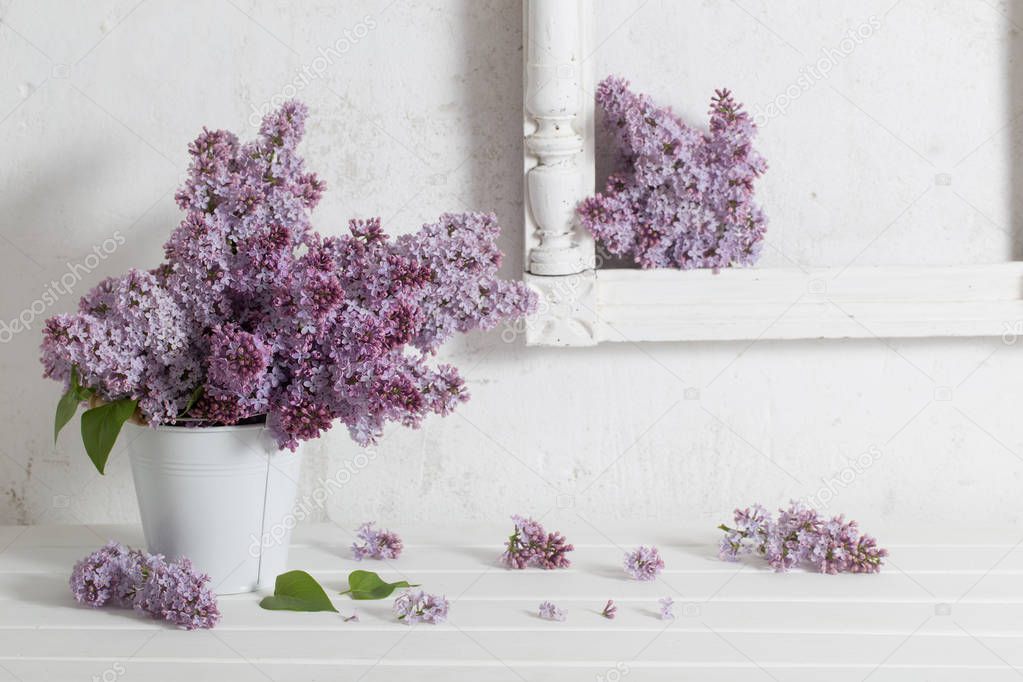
(667, 604)
(644, 563)
(131, 578)
(376, 544)
(531, 545)
(610, 609)
(416, 606)
(550, 611)
(799, 535)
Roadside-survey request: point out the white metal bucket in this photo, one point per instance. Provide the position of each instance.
(220, 496)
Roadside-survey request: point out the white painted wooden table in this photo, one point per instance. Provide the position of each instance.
(939, 612)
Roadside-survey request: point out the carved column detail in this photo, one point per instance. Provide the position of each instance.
(566, 314)
(556, 179)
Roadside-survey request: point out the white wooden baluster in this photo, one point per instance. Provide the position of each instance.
(559, 171)
(553, 99)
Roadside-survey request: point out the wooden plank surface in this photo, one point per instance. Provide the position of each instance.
(946, 609)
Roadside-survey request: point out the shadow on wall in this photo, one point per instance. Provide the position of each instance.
(490, 111)
(492, 103)
(1014, 115)
(57, 256)
(608, 161)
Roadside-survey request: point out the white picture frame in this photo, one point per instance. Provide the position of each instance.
(583, 305)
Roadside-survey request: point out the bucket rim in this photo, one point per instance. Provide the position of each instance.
(167, 428)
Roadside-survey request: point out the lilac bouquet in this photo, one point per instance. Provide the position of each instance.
(684, 198)
(799, 535)
(131, 578)
(255, 316)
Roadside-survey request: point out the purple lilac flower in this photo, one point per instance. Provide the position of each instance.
(376, 544)
(531, 545)
(667, 605)
(237, 362)
(684, 199)
(799, 536)
(263, 317)
(796, 531)
(178, 594)
(354, 618)
(644, 563)
(839, 548)
(549, 611)
(108, 575)
(610, 609)
(751, 530)
(866, 556)
(416, 606)
(126, 577)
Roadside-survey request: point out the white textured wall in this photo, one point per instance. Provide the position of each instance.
(905, 153)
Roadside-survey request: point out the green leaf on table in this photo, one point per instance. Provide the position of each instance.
(69, 402)
(297, 591)
(368, 585)
(100, 427)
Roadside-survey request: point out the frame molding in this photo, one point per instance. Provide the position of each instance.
(583, 306)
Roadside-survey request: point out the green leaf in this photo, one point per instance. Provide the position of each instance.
(100, 427)
(66, 409)
(69, 403)
(192, 400)
(368, 585)
(297, 591)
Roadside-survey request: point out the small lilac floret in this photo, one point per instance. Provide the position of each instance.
(416, 606)
(376, 544)
(667, 604)
(550, 611)
(644, 563)
(531, 545)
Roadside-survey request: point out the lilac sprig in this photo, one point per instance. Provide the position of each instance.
(799, 535)
(416, 606)
(684, 198)
(130, 578)
(644, 563)
(376, 544)
(531, 545)
(107, 576)
(550, 611)
(177, 593)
